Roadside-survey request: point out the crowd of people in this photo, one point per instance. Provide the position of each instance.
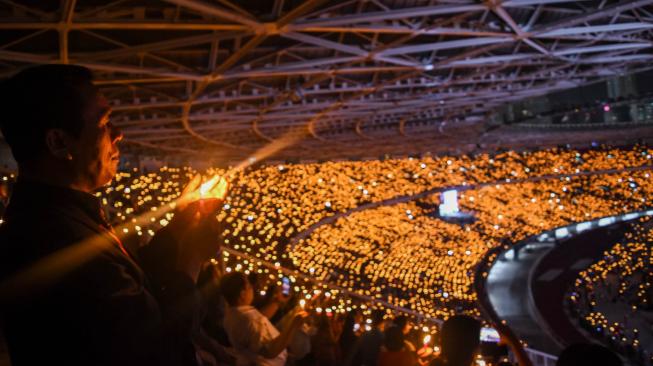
(402, 254)
(277, 329)
(613, 298)
(407, 255)
(170, 267)
(269, 205)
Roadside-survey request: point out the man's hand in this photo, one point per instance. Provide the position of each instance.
(215, 187)
(194, 225)
(199, 198)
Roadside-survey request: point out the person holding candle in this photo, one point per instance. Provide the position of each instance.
(71, 293)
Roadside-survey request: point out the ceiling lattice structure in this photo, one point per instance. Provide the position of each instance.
(362, 77)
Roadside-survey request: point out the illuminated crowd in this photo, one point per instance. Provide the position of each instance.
(405, 254)
(622, 279)
(399, 257)
(398, 253)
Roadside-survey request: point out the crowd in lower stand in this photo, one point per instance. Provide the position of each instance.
(374, 287)
(172, 267)
(402, 253)
(613, 298)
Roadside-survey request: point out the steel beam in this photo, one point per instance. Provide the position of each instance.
(138, 70)
(380, 16)
(67, 12)
(204, 8)
(446, 45)
(159, 46)
(608, 11)
(617, 27)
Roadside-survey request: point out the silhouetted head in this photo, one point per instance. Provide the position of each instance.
(586, 354)
(378, 318)
(236, 289)
(460, 339)
(393, 339)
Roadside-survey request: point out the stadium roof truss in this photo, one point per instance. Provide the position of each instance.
(191, 76)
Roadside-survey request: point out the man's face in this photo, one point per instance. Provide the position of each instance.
(95, 153)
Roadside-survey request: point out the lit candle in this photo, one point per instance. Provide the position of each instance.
(214, 187)
(427, 339)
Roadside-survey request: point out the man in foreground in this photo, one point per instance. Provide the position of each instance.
(71, 293)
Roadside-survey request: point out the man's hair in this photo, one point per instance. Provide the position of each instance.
(460, 337)
(582, 354)
(231, 285)
(41, 98)
(394, 339)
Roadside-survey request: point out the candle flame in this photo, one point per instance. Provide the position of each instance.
(214, 187)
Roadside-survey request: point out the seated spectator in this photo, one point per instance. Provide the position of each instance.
(253, 336)
(582, 354)
(394, 351)
(460, 341)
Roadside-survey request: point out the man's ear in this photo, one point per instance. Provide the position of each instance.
(58, 143)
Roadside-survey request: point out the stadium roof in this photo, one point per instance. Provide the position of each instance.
(326, 78)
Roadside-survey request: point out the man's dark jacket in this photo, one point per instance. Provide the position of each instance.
(92, 304)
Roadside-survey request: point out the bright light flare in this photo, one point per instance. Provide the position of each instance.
(290, 138)
(214, 187)
(427, 339)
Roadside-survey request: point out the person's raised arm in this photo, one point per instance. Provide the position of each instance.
(509, 338)
(175, 254)
(277, 345)
(192, 236)
(274, 303)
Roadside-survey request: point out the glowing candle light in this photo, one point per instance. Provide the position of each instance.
(427, 339)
